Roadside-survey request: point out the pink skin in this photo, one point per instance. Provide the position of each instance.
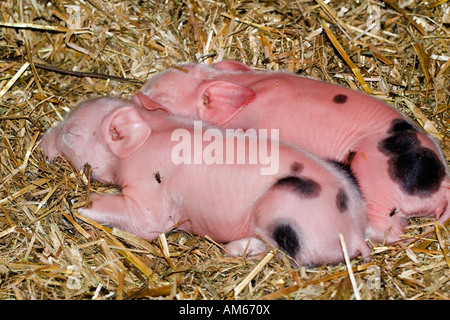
(127, 145)
(329, 121)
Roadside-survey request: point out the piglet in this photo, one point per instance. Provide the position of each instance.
(399, 168)
(300, 208)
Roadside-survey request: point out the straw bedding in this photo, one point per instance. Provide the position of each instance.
(54, 54)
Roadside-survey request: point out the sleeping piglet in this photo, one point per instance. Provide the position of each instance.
(301, 208)
(401, 171)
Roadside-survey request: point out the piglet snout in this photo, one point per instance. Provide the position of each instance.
(48, 144)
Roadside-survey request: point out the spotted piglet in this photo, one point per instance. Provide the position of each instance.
(300, 208)
(401, 171)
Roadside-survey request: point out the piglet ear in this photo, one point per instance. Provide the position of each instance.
(232, 65)
(222, 100)
(143, 100)
(125, 131)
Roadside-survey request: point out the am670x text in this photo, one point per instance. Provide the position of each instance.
(259, 309)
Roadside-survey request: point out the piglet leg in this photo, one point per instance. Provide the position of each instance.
(125, 213)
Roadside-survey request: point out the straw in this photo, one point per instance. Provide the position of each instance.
(398, 51)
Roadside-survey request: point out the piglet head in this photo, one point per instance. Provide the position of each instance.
(98, 132)
(199, 91)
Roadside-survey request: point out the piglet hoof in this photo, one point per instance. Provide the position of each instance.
(249, 247)
(366, 254)
(444, 213)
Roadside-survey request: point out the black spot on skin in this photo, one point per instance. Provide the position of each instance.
(158, 177)
(347, 171)
(286, 238)
(303, 186)
(418, 170)
(400, 143)
(340, 98)
(400, 125)
(342, 200)
(296, 167)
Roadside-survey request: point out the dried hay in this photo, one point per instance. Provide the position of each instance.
(54, 54)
